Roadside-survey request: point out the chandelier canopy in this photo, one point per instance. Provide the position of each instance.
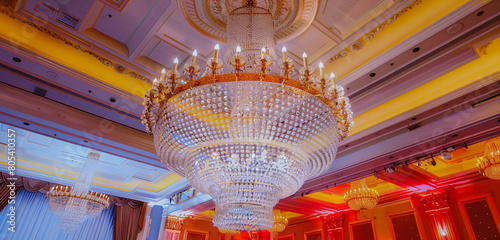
(250, 137)
(76, 204)
(489, 164)
(360, 197)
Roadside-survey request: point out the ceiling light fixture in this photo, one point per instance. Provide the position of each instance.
(76, 204)
(250, 137)
(489, 164)
(280, 223)
(360, 197)
(174, 222)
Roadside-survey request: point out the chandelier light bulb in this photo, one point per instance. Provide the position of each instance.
(163, 75)
(195, 54)
(216, 51)
(283, 50)
(238, 49)
(332, 76)
(176, 61)
(321, 68)
(304, 58)
(155, 81)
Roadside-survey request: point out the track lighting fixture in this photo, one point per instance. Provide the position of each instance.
(433, 162)
(375, 174)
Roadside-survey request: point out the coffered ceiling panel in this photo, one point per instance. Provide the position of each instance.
(302, 44)
(162, 52)
(180, 34)
(346, 17)
(122, 25)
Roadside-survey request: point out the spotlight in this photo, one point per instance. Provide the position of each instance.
(375, 174)
(406, 163)
(465, 145)
(433, 162)
(419, 163)
(445, 155)
(390, 169)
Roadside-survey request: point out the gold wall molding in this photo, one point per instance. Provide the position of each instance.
(7, 8)
(359, 43)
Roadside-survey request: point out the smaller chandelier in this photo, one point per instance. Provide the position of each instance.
(174, 222)
(76, 204)
(75, 207)
(280, 222)
(360, 197)
(489, 165)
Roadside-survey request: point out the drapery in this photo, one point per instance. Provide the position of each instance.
(34, 220)
(129, 221)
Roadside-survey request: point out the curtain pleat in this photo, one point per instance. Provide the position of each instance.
(128, 221)
(34, 221)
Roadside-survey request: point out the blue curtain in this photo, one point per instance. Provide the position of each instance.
(34, 220)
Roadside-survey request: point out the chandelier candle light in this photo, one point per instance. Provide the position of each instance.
(249, 137)
(489, 164)
(360, 197)
(76, 204)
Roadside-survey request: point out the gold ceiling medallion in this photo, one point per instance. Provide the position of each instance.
(290, 17)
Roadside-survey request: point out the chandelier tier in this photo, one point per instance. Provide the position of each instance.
(76, 204)
(489, 164)
(360, 197)
(247, 138)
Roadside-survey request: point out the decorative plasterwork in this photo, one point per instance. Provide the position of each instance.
(358, 44)
(7, 8)
(291, 17)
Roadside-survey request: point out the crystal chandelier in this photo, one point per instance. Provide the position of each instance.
(280, 222)
(174, 222)
(76, 204)
(252, 136)
(489, 164)
(434, 200)
(360, 197)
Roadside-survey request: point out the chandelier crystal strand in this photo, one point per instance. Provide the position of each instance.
(246, 139)
(76, 204)
(360, 197)
(252, 29)
(489, 164)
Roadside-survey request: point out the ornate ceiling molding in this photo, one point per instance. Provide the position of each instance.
(7, 8)
(291, 17)
(358, 44)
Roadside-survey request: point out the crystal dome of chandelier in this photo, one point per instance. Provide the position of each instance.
(76, 204)
(489, 164)
(360, 197)
(251, 136)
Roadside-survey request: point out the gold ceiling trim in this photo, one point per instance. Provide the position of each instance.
(359, 43)
(7, 8)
